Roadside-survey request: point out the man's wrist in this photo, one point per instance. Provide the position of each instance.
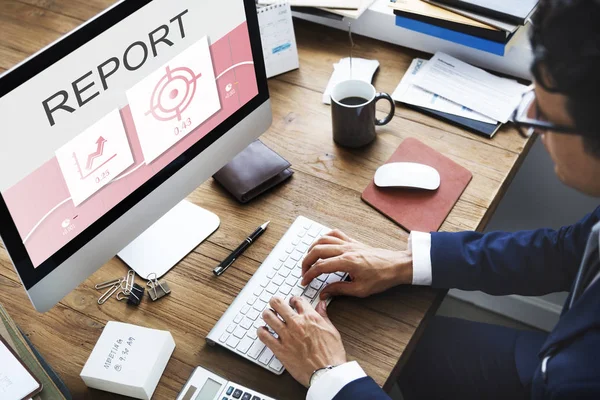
(318, 373)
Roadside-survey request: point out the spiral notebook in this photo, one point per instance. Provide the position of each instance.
(278, 38)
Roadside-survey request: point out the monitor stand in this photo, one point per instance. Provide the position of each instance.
(160, 247)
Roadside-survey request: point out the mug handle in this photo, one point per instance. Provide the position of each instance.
(386, 120)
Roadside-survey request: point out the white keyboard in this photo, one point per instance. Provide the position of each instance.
(279, 275)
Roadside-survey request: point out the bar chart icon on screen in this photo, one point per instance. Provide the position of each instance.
(174, 100)
(95, 157)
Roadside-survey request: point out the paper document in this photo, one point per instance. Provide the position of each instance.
(408, 93)
(470, 86)
(15, 381)
(362, 70)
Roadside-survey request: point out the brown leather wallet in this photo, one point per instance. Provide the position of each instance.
(254, 171)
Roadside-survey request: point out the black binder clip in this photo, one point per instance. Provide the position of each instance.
(135, 295)
(157, 289)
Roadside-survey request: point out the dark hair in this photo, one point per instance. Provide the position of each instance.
(566, 41)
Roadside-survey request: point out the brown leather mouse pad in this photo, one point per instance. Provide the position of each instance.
(416, 209)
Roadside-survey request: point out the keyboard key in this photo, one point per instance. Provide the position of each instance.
(245, 309)
(297, 291)
(303, 248)
(291, 280)
(256, 349)
(265, 282)
(340, 274)
(276, 365)
(278, 266)
(266, 356)
(316, 284)
(296, 255)
(323, 277)
(256, 398)
(224, 337)
(259, 323)
(231, 328)
(246, 396)
(285, 289)
(270, 275)
(244, 345)
(233, 341)
(314, 231)
(266, 297)
(237, 394)
(310, 293)
(332, 279)
(306, 224)
(295, 241)
(252, 333)
(253, 314)
(279, 279)
(297, 272)
(290, 264)
(302, 232)
(246, 323)
(284, 272)
(258, 291)
(300, 285)
(289, 249)
(272, 288)
(283, 256)
(307, 240)
(239, 332)
(251, 300)
(260, 305)
(230, 390)
(238, 318)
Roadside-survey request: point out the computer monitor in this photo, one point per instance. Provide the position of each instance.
(110, 127)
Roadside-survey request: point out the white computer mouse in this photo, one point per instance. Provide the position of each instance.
(407, 175)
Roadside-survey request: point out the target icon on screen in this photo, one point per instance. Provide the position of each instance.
(173, 94)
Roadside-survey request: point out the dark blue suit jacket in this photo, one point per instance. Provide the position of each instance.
(530, 263)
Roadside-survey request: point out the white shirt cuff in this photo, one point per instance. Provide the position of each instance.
(420, 244)
(329, 385)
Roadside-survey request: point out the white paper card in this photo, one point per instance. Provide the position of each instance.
(95, 157)
(361, 69)
(470, 86)
(408, 93)
(278, 39)
(128, 360)
(174, 100)
(15, 381)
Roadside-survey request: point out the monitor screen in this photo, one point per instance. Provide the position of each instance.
(112, 111)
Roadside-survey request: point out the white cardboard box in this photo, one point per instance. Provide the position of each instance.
(128, 360)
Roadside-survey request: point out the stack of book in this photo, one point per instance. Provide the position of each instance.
(53, 387)
(487, 25)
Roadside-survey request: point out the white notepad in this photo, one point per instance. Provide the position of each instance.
(16, 383)
(278, 39)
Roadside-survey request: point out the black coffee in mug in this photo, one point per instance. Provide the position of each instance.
(353, 113)
(354, 101)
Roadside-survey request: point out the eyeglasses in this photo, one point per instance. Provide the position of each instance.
(528, 119)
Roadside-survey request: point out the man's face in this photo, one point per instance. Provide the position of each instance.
(573, 165)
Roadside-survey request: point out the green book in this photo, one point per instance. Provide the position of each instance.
(30, 357)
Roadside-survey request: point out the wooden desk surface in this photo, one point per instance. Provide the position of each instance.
(326, 187)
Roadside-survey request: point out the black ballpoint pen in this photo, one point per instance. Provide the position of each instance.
(226, 263)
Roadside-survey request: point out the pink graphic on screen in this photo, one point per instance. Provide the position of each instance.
(42, 205)
(169, 90)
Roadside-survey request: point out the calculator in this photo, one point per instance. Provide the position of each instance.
(204, 385)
